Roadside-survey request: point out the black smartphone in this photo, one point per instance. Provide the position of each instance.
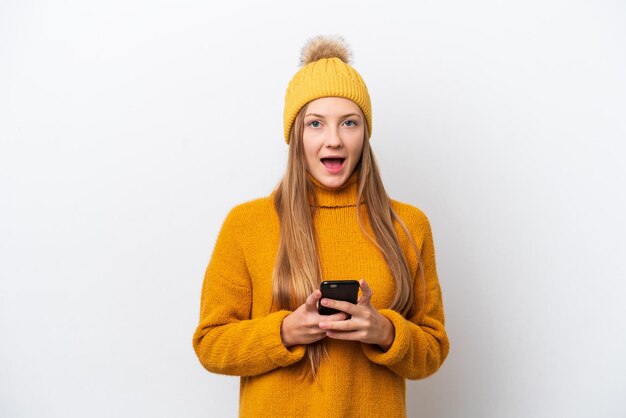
(347, 290)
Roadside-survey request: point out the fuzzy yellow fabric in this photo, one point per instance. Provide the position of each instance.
(238, 334)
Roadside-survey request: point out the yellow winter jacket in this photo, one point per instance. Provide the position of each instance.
(238, 334)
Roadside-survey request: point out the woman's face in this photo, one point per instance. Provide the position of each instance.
(333, 139)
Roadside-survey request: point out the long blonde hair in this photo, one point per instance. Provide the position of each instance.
(297, 272)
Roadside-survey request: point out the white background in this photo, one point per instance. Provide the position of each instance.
(128, 129)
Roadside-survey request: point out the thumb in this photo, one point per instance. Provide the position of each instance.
(312, 299)
(367, 293)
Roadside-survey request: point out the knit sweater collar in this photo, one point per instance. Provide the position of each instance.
(343, 196)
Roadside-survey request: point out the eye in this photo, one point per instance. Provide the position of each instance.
(314, 124)
(350, 123)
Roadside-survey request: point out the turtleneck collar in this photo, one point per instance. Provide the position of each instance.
(343, 196)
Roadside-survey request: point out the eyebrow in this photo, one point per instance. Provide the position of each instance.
(341, 117)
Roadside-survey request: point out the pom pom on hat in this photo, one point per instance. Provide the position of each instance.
(325, 47)
(326, 72)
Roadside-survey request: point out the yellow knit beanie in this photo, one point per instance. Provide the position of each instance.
(325, 72)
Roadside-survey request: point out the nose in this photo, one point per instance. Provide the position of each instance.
(333, 139)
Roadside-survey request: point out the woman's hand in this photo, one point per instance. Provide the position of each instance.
(302, 325)
(366, 324)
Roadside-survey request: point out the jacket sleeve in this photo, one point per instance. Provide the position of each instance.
(421, 343)
(227, 340)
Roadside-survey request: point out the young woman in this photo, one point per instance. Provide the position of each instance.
(329, 219)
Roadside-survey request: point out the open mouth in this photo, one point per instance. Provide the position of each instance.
(333, 163)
